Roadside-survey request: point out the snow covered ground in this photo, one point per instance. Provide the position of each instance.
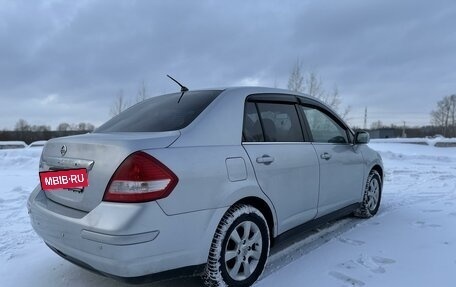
(411, 242)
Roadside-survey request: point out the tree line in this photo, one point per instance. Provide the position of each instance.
(23, 131)
(23, 126)
(31, 136)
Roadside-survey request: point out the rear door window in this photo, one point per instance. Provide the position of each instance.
(161, 113)
(252, 131)
(280, 122)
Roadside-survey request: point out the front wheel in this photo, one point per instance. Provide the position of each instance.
(372, 196)
(239, 249)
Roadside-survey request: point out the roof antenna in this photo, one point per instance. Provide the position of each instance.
(183, 88)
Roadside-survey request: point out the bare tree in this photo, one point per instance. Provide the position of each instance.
(40, 128)
(119, 105)
(453, 115)
(377, 125)
(142, 92)
(440, 115)
(63, 127)
(81, 127)
(296, 80)
(89, 127)
(444, 115)
(312, 85)
(84, 127)
(22, 126)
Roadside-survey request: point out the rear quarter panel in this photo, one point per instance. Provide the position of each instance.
(203, 178)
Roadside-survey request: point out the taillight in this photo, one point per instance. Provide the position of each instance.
(140, 178)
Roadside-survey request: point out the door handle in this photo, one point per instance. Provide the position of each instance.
(266, 159)
(325, 155)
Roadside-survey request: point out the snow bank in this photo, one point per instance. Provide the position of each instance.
(18, 177)
(414, 152)
(411, 242)
(437, 142)
(20, 158)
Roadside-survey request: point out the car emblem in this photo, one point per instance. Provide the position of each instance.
(63, 150)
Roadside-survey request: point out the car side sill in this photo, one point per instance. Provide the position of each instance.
(312, 224)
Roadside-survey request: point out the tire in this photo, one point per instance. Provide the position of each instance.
(237, 257)
(372, 196)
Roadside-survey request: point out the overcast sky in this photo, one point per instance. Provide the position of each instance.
(65, 61)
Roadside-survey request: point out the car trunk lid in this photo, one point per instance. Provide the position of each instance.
(101, 154)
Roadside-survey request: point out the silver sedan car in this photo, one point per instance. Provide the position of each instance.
(203, 183)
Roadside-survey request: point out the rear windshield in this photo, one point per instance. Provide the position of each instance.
(161, 113)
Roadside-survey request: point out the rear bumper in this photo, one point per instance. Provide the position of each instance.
(183, 272)
(124, 240)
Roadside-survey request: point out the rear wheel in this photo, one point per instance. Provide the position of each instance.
(372, 196)
(239, 249)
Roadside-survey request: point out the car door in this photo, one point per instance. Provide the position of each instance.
(286, 167)
(341, 164)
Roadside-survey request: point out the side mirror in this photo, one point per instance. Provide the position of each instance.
(362, 137)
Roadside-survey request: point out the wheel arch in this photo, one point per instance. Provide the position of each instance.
(378, 169)
(264, 208)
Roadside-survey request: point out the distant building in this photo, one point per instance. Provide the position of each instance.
(384, 133)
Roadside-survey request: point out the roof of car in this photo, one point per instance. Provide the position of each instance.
(12, 143)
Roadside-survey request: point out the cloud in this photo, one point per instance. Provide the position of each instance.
(49, 99)
(386, 55)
